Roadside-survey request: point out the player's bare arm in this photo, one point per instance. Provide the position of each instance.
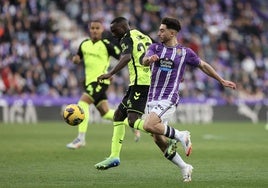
(148, 60)
(124, 59)
(210, 71)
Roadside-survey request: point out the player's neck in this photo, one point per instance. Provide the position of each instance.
(171, 43)
(94, 41)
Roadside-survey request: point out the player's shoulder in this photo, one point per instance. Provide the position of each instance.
(106, 41)
(189, 50)
(107, 37)
(110, 42)
(156, 46)
(85, 40)
(127, 35)
(138, 34)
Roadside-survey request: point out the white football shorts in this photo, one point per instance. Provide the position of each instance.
(164, 109)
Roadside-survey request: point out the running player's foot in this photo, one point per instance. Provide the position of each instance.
(186, 142)
(108, 163)
(137, 134)
(76, 143)
(187, 173)
(171, 149)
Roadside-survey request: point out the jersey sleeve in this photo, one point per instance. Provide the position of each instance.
(151, 50)
(112, 48)
(126, 45)
(192, 58)
(79, 51)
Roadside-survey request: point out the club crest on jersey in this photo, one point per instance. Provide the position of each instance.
(166, 64)
(179, 52)
(124, 47)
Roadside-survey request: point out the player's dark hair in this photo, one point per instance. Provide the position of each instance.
(96, 20)
(119, 20)
(171, 23)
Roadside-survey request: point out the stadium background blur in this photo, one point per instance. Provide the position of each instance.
(37, 39)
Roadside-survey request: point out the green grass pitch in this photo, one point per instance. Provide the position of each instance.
(225, 155)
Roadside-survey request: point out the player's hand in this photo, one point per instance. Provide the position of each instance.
(229, 84)
(76, 59)
(103, 77)
(153, 58)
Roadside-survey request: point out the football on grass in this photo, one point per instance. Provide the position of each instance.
(73, 114)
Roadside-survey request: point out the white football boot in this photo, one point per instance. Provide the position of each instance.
(187, 173)
(186, 142)
(76, 143)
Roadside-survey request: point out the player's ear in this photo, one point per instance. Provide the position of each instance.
(173, 32)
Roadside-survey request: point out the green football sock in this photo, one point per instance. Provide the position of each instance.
(139, 125)
(118, 137)
(82, 127)
(109, 115)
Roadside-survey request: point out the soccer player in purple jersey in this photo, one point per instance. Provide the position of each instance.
(167, 61)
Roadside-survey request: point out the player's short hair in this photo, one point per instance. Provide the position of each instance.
(119, 20)
(171, 23)
(96, 20)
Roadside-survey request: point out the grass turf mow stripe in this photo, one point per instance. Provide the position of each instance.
(224, 155)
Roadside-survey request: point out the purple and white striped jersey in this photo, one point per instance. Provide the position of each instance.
(167, 72)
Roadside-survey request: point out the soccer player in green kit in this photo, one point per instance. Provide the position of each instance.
(134, 45)
(95, 53)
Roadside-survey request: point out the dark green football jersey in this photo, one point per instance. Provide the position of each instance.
(136, 43)
(96, 58)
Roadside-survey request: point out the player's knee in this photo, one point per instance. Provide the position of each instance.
(147, 126)
(131, 122)
(151, 122)
(132, 117)
(119, 115)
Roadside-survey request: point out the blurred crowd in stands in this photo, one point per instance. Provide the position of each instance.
(38, 37)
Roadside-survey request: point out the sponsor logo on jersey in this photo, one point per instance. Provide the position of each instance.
(166, 64)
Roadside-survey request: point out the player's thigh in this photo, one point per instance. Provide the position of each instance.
(163, 109)
(86, 98)
(132, 117)
(120, 113)
(103, 107)
(136, 103)
(97, 92)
